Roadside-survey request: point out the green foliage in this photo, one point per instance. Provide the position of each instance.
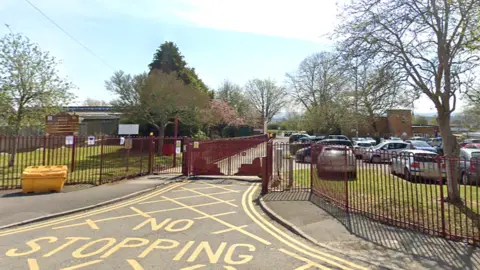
(30, 87)
(200, 135)
(229, 132)
(168, 59)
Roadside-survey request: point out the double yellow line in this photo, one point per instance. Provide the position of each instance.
(288, 240)
(90, 213)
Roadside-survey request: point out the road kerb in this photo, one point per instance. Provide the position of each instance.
(90, 207)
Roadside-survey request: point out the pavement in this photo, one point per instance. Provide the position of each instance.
(214, 224)
(16, 207)
(354, 235)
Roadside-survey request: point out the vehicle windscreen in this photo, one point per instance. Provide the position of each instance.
(425, 158)
(476, 155)
(337, 142)
(364, 144)
(420, 144)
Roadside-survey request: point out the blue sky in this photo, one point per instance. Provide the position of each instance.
(238, 40)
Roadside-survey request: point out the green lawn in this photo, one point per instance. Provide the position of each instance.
(387, 197)
(116, 162)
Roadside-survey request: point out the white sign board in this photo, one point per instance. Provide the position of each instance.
(130, 129)
(178, 148)
(122, 140)
(69, 140)
(91, 140)
(196, 144)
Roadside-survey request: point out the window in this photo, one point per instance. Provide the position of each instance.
(400, 145)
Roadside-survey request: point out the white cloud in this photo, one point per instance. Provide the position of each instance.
(303, 19)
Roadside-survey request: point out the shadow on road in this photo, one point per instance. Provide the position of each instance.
(422, 247)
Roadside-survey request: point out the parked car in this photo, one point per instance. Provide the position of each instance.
(337, 137)
(371, 140)
(439, 148)
(435, 141)
(303, 154)
(415, 164)
(469, 166)
(469, 141)
(421, 145)
(295, 137)
(472, 146)
(418, 138)
(385, 151)
(360, 148)
(336, 160)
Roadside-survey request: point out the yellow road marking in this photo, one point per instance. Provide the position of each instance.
(135, 265)
(193, 267)
(141, 213)
(90, 213)
(187, 197)
(292, 242)
(209, 187)
(217, 215)
(300, 258)
(92, 224)
(134, 215)
(230, 229)
(209, 196)
(82, 265)
(33, 264)
(220, 221)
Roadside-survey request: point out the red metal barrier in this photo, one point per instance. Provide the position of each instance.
(226, 156)
(104, 160)
(405, 189)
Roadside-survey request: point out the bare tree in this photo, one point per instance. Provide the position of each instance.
(432, 43)
(266, 97)
(30, 87)
(232, 94)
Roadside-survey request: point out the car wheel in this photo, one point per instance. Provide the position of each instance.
(376, 159)
(465, 179)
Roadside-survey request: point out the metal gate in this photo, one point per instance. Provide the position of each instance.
(237, 156)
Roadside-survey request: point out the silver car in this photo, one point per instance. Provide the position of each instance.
(360, 148)
(413, 164)
(384, 151)
(336, 158)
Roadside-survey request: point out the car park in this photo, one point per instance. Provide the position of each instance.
(469, 141)
(295, 137)
(472, 146)
(305, 155)
(338, 137)
(435, 141)
(414, 164)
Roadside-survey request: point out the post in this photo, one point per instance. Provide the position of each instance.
(44, 149)
(175, 134)
(150, 155)
(186, 158)
(73, 153)
(311, 166)
(442, 199)
(266, 174)
(290, 172)
(102, 143)
(346, 179)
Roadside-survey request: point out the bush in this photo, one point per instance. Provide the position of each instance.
(200, 135)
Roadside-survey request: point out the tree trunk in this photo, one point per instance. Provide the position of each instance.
(451, 151)
(161, 137)
(16, 132)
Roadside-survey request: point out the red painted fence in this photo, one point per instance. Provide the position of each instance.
(402, 189)
(104, 159)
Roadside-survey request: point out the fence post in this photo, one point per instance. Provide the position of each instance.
(311, 167)
(73, 154)
(101, 158)
(44, 149)
(185, 158)
(442, 199)
(346, 180)
(267, 174)
(150, 155)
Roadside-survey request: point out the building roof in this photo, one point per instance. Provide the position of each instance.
(89, 109)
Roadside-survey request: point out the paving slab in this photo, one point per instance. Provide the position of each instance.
(361, 237)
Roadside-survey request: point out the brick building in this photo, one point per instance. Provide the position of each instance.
(396, 123)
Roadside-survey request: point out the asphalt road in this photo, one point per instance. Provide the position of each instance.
(188, 225)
